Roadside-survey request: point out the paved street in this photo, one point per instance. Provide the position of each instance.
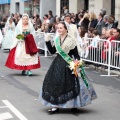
(19, 94)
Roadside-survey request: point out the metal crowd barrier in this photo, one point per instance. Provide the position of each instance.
(115, 54)
(40, 41)
(101, 52)
(94, 50)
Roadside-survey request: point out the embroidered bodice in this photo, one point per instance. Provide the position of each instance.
(69, 46)
(26, 31)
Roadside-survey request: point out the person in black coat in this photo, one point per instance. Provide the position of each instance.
(93, 20)
(85, 21)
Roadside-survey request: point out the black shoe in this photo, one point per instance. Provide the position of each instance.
(74, 110)
(53, 111)
(41, 52)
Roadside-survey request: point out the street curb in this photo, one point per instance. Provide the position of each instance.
(116, 72)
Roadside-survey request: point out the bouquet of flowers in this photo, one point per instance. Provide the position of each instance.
(75, 66)
(20, 36)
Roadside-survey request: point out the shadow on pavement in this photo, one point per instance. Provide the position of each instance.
(68, 111)
(17, 74)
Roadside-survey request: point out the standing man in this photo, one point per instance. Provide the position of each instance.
(50, 16)
(100, 23)
(72, 31)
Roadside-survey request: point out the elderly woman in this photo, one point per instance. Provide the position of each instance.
(85, 21)
(110, 37)
(23, 55)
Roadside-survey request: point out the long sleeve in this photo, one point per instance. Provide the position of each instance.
(15, 41)
(51, 49)
(74, 53)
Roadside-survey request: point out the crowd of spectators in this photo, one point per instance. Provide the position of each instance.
(88, 24)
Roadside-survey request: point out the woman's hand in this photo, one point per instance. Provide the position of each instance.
(47, 37)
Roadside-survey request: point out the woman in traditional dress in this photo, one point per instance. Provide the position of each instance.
(23, 55)
(8, 34)
(61, 88)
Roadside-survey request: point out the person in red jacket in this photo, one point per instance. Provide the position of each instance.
(110, 37)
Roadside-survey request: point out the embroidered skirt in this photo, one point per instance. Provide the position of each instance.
(62, 89)
(10, 63)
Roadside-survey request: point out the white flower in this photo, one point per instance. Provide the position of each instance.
(72, 64)
(81, 62)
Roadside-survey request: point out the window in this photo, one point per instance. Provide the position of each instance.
(28, 7)
(112, 7)
(64, 4)
(86, 4)
(32, 7)
(5, 9)
(36, 7)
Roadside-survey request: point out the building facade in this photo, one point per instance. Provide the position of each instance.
(5, 7)
(73, 5)
(112, 7)
(16, 6)
(57, 6)
(31, 7)
(46, 5)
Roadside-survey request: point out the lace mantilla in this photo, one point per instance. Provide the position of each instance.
(69, 44)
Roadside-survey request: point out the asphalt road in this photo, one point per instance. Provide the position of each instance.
(19, 95)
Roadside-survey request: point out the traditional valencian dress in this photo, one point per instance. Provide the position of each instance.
(61, 88)
(23, 55)
(9, 34)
